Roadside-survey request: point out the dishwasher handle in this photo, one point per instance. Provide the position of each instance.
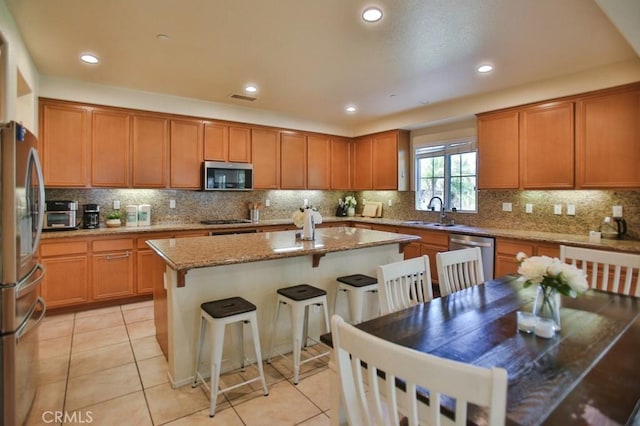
(469, 243)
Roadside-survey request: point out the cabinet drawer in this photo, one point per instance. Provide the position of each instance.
(60, 249)
(434, 238)
(141, 241)
(113, 245)
(510, 247)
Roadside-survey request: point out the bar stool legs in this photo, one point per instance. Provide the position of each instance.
(355, 286)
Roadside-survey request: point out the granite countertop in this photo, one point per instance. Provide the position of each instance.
(631, 246)
(198, 252)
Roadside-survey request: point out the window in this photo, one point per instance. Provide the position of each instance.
(448, 171)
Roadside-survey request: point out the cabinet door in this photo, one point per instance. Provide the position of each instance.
(144, 275)
(318, 162)
(293, 161)
(216, 142)
(186, 153)
(65, 282)
(608, 140)
(110, 136)
(340, 164)
(385, 161)
(362, 163)
(239, 144)
(112, 275)
(547, 146)
(64, 139)
(498, 151)
(266, 159)
(149, 152)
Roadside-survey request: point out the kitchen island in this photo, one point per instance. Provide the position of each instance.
(254, 266)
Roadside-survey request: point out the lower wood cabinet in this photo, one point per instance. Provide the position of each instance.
(507, 249)
(67, 273)
(112, 269)
(433, 242)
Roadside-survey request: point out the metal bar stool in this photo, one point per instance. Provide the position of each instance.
(355, 286)
(299, 298)
(218, 314)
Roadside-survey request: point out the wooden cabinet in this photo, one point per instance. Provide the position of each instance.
(340, 164)
(149, 147)
(64, 144)
(227, 143)
(381, 161)
(547, 146)
(433, 242)
(318, 162)
(185, 140)
(265, 148)
(385, 161)
(110, 142)
(112, 269)
(67, 273)
(507, 249)
(362, 163)
(293, 161)
(145, 263)
(498, 151)
(608, 139)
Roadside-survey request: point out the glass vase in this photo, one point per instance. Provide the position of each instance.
(351, 211)
(547, 305)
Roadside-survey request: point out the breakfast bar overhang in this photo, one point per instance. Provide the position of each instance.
(201, 269)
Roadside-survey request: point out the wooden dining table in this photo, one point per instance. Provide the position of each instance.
(587, 373)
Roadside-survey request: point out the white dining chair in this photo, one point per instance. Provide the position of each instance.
(459, 269)
(606, 270)
(404, 283)
(371, 400)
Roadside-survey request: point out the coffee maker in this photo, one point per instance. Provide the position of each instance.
(91, 216)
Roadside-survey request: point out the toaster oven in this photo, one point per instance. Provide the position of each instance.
(60, 215)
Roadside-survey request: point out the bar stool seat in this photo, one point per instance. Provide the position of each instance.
(299, 298)
(355, 286)
(218, 314)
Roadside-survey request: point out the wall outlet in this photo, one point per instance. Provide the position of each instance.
(528, 208)
(571, 209)
(617, 211)
(267, 202)
(116, 204)
(172, 204)
(390, 203)
(507, 207)
(557, 209)
(305, 202)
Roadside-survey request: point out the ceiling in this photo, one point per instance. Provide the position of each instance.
(310, 58)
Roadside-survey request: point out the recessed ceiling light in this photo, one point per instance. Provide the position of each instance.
(485, 68)
(162, 37)
(372, 14)
(89, 58)
(351, 108)
(250, 88)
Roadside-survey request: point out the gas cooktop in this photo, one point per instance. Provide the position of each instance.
(223, 221)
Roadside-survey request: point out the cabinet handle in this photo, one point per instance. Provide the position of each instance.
(122, 256)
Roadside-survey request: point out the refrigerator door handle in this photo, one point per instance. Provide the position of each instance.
(33, 157)
(26, 285)
(24, 328)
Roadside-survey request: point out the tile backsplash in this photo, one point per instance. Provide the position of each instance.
(192, 206)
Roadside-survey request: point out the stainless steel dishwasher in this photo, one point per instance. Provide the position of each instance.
(486, 244)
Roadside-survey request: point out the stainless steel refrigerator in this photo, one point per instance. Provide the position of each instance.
(21, 307)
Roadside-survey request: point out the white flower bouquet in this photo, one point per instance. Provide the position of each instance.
(298, 216)
(551, 273)
(350, 201)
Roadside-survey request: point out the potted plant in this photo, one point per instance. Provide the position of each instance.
(113, 219)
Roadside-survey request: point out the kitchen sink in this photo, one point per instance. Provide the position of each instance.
(425, 223)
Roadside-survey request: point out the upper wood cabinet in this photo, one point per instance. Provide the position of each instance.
(608, 139)
(547, 146)
(381, 161)
(385, 161)
(265, 147)
(186, 153)
(149, 149)
(498, 151)
(64, 144)
(227, 143)
(318, 162)
(110, 143)
(293, 160)
(340, 163)
(362, 163)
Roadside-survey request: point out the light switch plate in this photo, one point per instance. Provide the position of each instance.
(571, 209)
(617, 211)
(507, 207)
(528, 208)
(172, 204)
(267, 202)
(557, 209)
(116, 204)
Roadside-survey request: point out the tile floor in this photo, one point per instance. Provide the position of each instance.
(104, 367)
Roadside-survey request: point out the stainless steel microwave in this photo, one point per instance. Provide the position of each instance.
(221, 176)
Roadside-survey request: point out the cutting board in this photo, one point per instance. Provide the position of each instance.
(372, 209)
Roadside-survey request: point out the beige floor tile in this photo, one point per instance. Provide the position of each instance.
(99, 311)
(167, 404)
(130, 409)
(50, 398)
(99, 338)
(58, 317)
(153, 371)
(284, 365)
(86, 362)
(140, 329)
(252, 390)
(319, 420)
(225, 417)
(136, 305)
(90, 389)
(285, 405)
(55, 347)
(55, 329)
(139, 314)
(316, 388)
(54, 369)
(147, 347)
(98, 322)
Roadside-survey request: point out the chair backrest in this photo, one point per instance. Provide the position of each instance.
(364, 391)
(404, 283)
(606, 270)
(459, 269)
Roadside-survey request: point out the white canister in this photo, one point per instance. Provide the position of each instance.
(144, 215)
(131, 215)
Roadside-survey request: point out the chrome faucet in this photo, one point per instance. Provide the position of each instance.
(432, 207)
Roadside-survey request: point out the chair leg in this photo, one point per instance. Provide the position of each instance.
(240, 335)
(256, 345)
(217, 337)
(355, 305)
(203, 325)
(297, 326)
(327, 327)
(305, 329)
(274, 330)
